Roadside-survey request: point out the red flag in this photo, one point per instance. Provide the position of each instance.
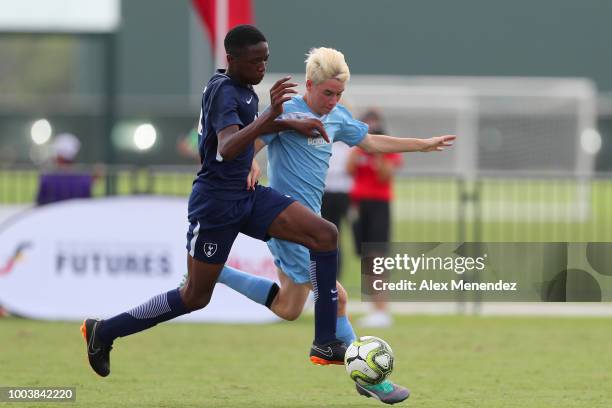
(235, 12)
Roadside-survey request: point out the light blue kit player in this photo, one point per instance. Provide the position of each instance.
(297, 167)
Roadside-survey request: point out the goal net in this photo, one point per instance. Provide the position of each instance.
(528, 141)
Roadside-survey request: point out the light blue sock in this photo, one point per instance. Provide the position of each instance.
(256, 288)
(344, 330)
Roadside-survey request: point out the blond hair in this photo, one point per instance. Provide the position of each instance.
(326, 63)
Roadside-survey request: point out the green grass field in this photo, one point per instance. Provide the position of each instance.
(450, 361)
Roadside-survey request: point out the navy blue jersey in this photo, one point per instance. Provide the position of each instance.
(225, 102)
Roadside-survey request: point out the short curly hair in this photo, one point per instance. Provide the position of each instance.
(240, 37)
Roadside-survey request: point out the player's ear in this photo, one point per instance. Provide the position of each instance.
(308, 85)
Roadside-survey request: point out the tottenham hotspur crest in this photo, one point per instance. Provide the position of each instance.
(210, 248)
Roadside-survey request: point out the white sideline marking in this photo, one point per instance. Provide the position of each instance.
(490, 308)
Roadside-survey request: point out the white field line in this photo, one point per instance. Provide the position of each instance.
(490, 308)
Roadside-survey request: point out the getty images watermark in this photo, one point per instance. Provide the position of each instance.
(436, 271)
(414, 264)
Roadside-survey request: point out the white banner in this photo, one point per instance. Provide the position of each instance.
(97, 258)
(64, 16)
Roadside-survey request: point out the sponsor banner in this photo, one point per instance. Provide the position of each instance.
(486, 271)
(97, 258)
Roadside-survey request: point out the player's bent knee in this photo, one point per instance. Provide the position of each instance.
(289, 313)
(292, 315)
(327, 237)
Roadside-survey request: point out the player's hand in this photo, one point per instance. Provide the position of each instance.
(438, 143)
(253, 176)
(309, 127)
(280, 93)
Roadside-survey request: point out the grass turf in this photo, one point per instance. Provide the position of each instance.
(447, 361)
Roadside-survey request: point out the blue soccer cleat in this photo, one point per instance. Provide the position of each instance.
(385, 392)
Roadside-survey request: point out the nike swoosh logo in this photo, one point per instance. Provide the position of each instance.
(334, 291)
(90, 348)
(326, 352)
(248, 101)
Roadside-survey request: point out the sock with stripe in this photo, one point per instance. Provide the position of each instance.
(258, 289)
(323, 272)
(344, 330)
(160, 308)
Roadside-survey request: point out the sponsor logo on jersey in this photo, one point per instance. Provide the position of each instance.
(316, 141)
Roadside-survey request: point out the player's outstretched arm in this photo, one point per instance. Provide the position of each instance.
(309, 127)
(233, 140)
(389, 144)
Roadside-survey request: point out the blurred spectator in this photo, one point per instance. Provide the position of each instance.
(187, 146)
(338, 183)
(372, 192)
(63, 182)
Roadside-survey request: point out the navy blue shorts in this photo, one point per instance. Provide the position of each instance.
(213, 230)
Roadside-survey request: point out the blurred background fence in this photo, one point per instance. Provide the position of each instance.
(527, 207)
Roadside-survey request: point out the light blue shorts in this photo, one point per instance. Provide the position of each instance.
(292, 258)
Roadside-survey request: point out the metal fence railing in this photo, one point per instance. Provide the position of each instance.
(503, 209)
(442, 207)
(20, 185)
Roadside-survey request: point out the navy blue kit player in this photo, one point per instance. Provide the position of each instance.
(221, 206)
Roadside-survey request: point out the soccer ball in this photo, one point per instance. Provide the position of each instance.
(369, 360)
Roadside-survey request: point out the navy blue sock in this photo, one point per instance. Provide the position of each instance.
(323, 272)
(160, 308)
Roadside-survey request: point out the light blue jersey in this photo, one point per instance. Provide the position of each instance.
(297, 166)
